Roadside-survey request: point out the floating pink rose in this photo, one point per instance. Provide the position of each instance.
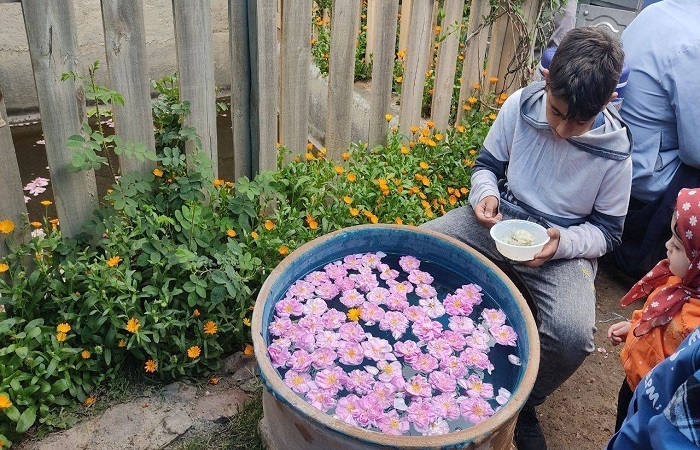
(335, 271)
(333, 319)
(420, 277)
(454, 366)
(327, 290)
(378, 295)
(387, 273)
(461, 324)
(415, 313)
(345, 407)
(442, 381)
(397, 302)
(315, 307)
(352, 331)
(425, 363)
(473, 357)
(454, 339)
(475, 409)
(365, 282)
(321, 399)
(360, 381)
(299, 361)
(504, 335)
(352, 298)
(409, 350)
(289, 307)
(437, 427)
(350, 353)
(395, 322)
(317, 278)
(439, 348)
(409, 263)
(476, 387)
(352, 261)
(388, 370)
(421, 414)
(328, 339)
(280, 326)
(479, 339)
(299, 382)
(345, 284)
(446, 406)
(426, 329)
(425, 291)
(372, 259)
(371, 313)
(302, 290)
(278, 355)
(377, 349)
(418, 386)
(331, 379)
(391, 423)
(323, 358)
(456, 305)
(493, 317)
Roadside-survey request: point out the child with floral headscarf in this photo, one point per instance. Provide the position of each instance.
(672, 309)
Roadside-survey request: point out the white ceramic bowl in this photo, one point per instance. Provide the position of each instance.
(502, 230)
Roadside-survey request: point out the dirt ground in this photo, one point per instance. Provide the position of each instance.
(581, 413)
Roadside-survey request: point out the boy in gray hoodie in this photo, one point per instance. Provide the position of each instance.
(558, 155)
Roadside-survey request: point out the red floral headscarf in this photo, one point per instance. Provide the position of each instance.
(668, 301)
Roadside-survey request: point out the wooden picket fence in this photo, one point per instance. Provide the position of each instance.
(269, 89)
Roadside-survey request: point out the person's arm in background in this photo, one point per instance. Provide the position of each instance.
(681, 82)
(492, 163)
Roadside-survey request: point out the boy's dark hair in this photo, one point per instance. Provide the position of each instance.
(585, 70)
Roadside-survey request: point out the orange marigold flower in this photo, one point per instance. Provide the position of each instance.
(89, 401)
(36, 224)
(424, 165)
(309, 146)
(398, 221)
(438, 137)
(254, 234)
(399, 80)
(452, 199)
(85, 354)
(464, 190)
(493, 79)
(438, 29)
(46, 202)
(492, 116)
(388, 117)
(347, 199)
(430, 124)
(466, 107)
(354, 314)
(477, 86)
(60, 337)
(132, 326)
(269, 225)
(214, 380)
(113, 261)
(122, 343)
(194, 352)
(339, 169)
(309, 156)
(231, 232)
(150, 366)
(5, 401)
(472, 100)
(246, 322)
(354, 211)
(196, 313)
(210, 327)
(248, 350)
(345, 156)
(401, 54)
(461, 128)
(157, 172)
(63, 328)
(283, 250)
(219, 183)
(6, 226)
(4, 267)
(352, 177)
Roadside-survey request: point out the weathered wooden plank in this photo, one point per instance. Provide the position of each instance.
(382, 70)
(195, 63)
(296, 58)
(447, 64)
(264, 75)
(341, 74)
(416, 62)
(405, 23)
(240, 89)
(474, 52)
(125, 47)
(12, 205)
(53, 48)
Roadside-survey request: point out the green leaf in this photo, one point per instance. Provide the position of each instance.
(60, 386)
(27, 419)
(22, 352)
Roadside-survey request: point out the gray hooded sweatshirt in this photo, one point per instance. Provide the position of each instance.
(580, 185)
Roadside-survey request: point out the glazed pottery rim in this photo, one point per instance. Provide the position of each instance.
(274, 383)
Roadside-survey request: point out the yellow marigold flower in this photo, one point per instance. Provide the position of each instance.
(309, 146)
(113, 261)
(424, 165)
(214, 380)
(438, 137)
(194, 352)
(430, 124)
(231, 232)
(472, 100)
(254, 234)
(425, 204)
(283, 250)
(464, 190)
(323, 150)
(492, 116)
(210, 327)
(63, 328)
(132, 326)
(4, 267)
(352, 177)
(246, 322)
(219, 183)
(196, 313)
(345, 156)
(347, 199)
(6, 226)
(404, 150)
(461, 128)
(401, 54)
(431, 143)
(354, 314)
(150, 366)
(157, 172)
(452, 199)
(388, 117)
(269, 225)
(46, 202)
(60, 337)
(411, 144)
(399, 80)
(438, 29)
(85, 354)
(248, 350)
(429, 213)
(493, 79)
(89, 401)
(5, 401)
(309, 156)
(354, 211)
(122, 343)
(311, 222)
(422, 195)
(339, 169)
(374, 219)
(399, 189)
(466, 107)
(36, 224)
(477, 86)
(398, 221)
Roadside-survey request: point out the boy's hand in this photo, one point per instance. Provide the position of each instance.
(548, 251)
(486, 211)
(617, 333)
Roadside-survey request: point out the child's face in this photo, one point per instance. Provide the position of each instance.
(564, 128)
(678, 261)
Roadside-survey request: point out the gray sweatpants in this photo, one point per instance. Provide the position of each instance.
(563, 292)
